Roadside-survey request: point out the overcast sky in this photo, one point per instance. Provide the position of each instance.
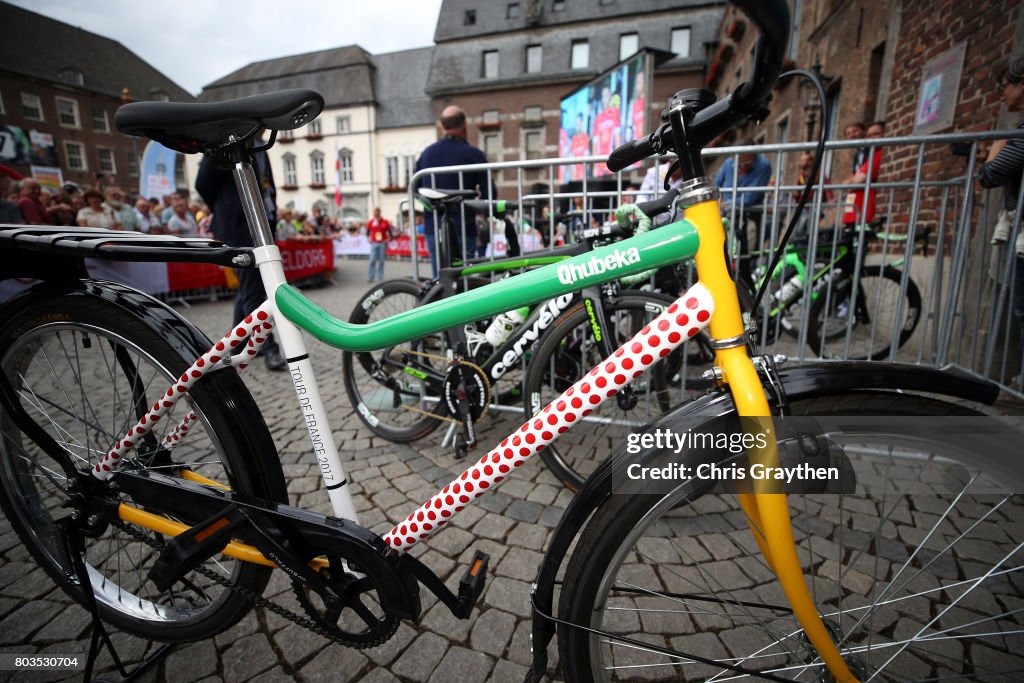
(194, 42)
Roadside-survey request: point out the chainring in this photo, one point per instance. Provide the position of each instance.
(477, 393)
(354, 614)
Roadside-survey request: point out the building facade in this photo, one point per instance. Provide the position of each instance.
(59, 89)
(509, 64)
(376, 119)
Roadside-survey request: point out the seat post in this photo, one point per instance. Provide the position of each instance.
(252, 198)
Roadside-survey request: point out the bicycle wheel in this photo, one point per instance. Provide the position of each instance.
(569, 350)
(874, 326)
(86, 370)
(918, 579)
(395, 391)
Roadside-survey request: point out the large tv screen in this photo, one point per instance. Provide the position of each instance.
(601, 115)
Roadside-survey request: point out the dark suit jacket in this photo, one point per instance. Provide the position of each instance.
(453, 151)
(217, 188)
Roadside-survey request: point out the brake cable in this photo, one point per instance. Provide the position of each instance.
(812, 179)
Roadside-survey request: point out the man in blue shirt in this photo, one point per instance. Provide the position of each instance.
(753, 170)
(453, 150)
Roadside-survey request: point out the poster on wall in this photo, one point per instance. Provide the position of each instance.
(157, 178)
(940, 86)
(14, 146)
(43, 152)
(50, 177)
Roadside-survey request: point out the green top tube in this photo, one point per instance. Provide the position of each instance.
(669, 244)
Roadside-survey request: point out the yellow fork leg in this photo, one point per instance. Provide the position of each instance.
(768, 512)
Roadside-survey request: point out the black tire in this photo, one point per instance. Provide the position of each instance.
(568, 350)
(874, 327)
(374, 402)
(75, 360)
(680, 569)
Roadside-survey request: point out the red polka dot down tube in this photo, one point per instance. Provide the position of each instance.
(677, 323)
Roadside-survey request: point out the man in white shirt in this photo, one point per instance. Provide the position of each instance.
(148, 222)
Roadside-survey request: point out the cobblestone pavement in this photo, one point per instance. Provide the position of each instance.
(513, 525)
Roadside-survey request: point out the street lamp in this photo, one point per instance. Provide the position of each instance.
(813, 104)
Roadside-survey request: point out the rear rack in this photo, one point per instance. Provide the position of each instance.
(121, 245)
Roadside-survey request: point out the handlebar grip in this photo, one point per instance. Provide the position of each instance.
(630, 153)
(659, 205)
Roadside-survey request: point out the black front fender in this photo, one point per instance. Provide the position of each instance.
(800, 382)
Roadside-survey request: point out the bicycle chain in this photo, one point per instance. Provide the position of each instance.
(256, 599)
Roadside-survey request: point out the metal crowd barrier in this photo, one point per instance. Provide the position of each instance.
(971, 313)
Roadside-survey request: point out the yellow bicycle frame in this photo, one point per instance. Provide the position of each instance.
(767, 512)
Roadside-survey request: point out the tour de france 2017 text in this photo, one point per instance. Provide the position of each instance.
(309, 417)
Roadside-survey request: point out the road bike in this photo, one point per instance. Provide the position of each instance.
(857, 310)
(123, 426)
(403, 393)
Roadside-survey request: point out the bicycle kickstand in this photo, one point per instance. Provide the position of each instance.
(70, 550)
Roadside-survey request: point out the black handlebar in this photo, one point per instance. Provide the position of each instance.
(772, 18)
(630, 153)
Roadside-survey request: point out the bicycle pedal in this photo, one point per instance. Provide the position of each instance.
(471, 585)
(189, 549)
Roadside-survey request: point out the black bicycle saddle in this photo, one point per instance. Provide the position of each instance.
(204, 126)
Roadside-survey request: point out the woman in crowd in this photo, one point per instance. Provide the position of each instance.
(96, 214)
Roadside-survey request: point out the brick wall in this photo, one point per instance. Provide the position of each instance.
(11, 88)
(928, 28)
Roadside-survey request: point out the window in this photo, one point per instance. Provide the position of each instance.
(31, 106)
(100, 122)
(67, 112)
(75, 153)
(513, 11)
(410, 168)
(160, 96)
(629, 43)
(534, 58)
(492, 147)
(133, 164)
(73, 76)
(580, 54)
(2, 110)
(470, 17)
(533, 114)
(558, 6)
(490, 64)
(291, 175)
(681, 41)
(794, 34)
(286, 135)
(782, 130)
(106, 163)
(534, 145)
(392, 170)
(490, 117)
(345, 161)
(343, 124)
(313, 129)
(316, 168)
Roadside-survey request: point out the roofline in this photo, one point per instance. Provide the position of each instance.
(368, 62)
(222, 83)
(586, 20)
(72, 87)
(398, 52)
